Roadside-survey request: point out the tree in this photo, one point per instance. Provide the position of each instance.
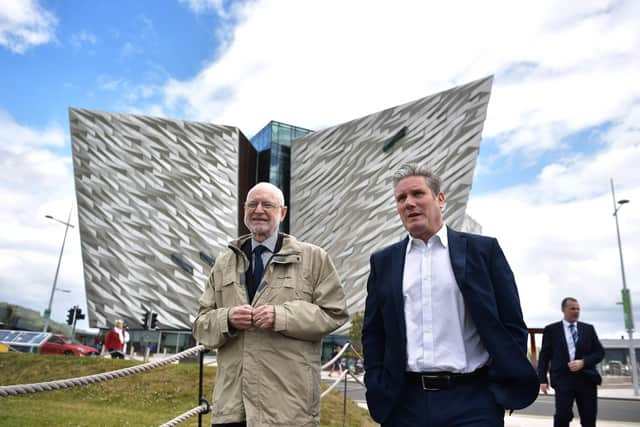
(355, 333)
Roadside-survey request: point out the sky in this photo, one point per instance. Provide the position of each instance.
(563, 119)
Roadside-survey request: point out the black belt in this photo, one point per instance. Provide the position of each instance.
(434, 381)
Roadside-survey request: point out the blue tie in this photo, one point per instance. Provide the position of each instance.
(574, 333)
(258, 265)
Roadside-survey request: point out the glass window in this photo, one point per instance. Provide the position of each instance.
(284, 135)
(207, 258)
(262, 140)
(55, 340)
(182, 263)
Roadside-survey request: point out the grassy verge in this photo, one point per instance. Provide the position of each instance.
(147, 399)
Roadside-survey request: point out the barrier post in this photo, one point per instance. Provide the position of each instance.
(200, 386)
(344, 400)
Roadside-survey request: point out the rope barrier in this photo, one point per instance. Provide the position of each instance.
(14, 390)
(356, 378)
(202, 409)
(332, 386)
(337, 356)
(356, 352)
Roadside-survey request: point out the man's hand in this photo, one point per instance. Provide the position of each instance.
(576, 365)
(264, 317)
(241, 317)
(544, 388)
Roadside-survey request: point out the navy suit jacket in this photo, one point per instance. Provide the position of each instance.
(490, 293)
(554, 351)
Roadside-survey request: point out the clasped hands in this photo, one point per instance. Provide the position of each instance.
(246, 317)
(574, 366)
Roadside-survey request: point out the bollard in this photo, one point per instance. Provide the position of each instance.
(344, 402)
(200, 384)
(146, 355)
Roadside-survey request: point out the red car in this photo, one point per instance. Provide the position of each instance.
(59, 344)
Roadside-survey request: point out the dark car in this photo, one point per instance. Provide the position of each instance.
(59, 344)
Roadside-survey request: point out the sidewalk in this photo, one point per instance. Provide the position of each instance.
(613, 393)
(539, 421)
(521, 420)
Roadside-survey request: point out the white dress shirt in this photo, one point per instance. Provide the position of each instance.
(569, 338)
(441, 335)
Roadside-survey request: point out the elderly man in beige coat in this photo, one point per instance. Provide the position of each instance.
(268, 302)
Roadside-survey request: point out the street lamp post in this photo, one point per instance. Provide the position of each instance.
(626, 298)
(47, 313)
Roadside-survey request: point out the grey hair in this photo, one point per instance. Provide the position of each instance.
(278, 192)
(414, 169)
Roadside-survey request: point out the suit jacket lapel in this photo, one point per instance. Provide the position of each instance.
(563, 341)
(458, 256)
(398, 256)
(581, 340)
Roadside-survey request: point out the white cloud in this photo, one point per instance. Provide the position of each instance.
(129, 49)
(17, 138)
(559, 234)
(108, 83)
(201, 6)
(322, 63)
(83, 38)
(560, 68)
(34, 182)
(24, 24)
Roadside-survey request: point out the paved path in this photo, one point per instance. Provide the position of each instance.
(522, 420)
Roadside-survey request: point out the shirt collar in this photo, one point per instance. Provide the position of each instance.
(269, 243)
(566, 324)
(440, 236)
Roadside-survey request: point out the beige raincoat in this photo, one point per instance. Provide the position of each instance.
(271, 377)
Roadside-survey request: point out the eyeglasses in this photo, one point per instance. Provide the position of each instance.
(267, 206)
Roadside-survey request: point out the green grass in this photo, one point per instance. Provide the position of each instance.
(147, 399)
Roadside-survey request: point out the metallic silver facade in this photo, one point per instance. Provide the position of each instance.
(341, 179)
(151, 191)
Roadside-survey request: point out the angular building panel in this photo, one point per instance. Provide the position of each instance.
(341, 177)
(157, 201)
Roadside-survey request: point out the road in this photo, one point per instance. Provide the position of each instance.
(608, 409)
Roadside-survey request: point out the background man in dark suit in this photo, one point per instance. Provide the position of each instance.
(443, 334)
(573, 350)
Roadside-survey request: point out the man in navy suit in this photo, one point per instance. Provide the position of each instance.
(574, 350)
(444, 340)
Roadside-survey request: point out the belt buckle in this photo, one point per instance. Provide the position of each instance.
(435, 382)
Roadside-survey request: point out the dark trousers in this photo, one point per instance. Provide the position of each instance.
(469, 405)
(115, 354)
(585, 394)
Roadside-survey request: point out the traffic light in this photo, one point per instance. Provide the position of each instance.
(145, 320)
(70, 313)
(154, 321)
(79, 314)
